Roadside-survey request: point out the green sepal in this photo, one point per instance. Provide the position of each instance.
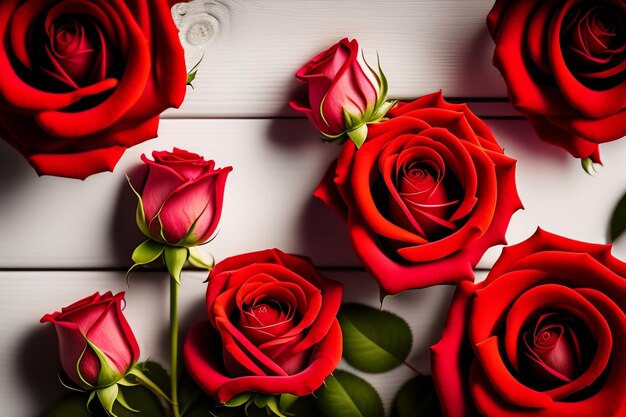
(92, 395)
(140, 215)
(107, 375)
(147, 252)
(350, 120)
(191, 75)
(196, 259)
(286, 401)
(68, 386)
(382, 111)
(79, 373)
(358, 135)
(589, 166)
(175, 259)
(107, 397)
(238, 400)
(272, 404)
(260, 400)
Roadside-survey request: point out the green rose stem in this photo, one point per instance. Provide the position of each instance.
(174, 286)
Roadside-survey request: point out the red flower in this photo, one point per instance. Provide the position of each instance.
(83, 80)
(564, 64)
(426, 195)
(181, 198)
(95, 322)
(543, 335)
(272, 327)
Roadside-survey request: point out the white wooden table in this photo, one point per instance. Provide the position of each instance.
(65, 239)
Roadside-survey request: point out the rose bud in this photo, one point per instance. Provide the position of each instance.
(344, 92)
(272, 327)
(543, 335)
(96, 345)
(180, 198)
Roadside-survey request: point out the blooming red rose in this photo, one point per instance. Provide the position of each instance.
(543, 335)
(181, 198)
(272, 327)
(564, 63)
(344, 93)
(83, 80)
(426, 195)
(95, 323)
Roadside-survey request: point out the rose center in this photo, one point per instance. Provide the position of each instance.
(555, 349)
(594, 45)
(266, 314)
(421, 202)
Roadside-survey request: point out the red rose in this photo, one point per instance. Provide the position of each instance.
(344, 93)
(272, 327)
(426, 195)
(181, 198)
(564, 64)
(83, 80)
(543, 336)
(95, 322)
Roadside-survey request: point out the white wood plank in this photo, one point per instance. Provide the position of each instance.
(29, 363)
(60, 223)
(424, 45)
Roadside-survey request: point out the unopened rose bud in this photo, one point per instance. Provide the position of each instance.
(344, 92)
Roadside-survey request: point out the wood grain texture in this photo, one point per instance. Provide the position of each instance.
(29, 364)
(257, 47)
(67, 224)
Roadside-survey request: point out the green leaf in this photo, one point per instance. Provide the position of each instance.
(192, 400)
(417, 398)
(147, 252)
(358, 135)
(373, 340)
(175, 259)
(618, 220)
(140, 398)
(74, 405)
(136, 374)
(347, 395)
(122, 401)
